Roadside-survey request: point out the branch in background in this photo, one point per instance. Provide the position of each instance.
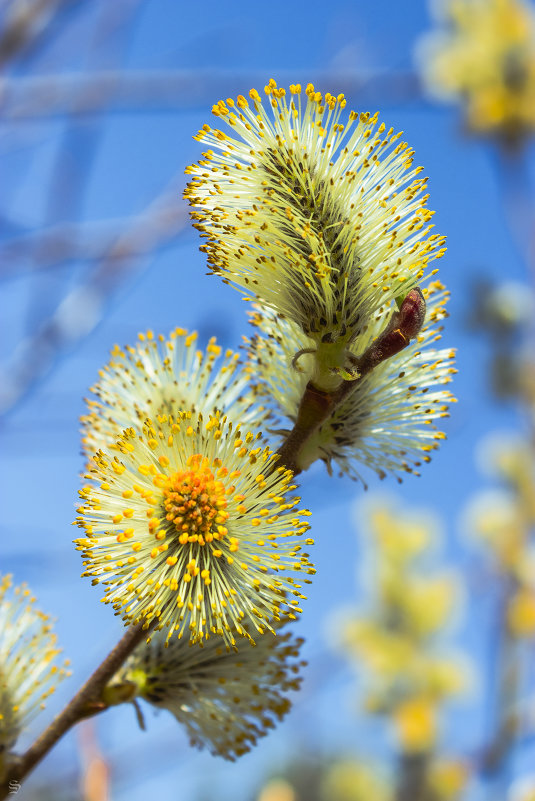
(412, 778)
(57, 245)
(76, 709)
(24, 23)
(176, 90)
(82, 309)
(519, 209)
(96, 769)
(77, 150)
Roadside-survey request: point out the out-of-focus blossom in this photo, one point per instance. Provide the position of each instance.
(277, 790)
(330, 778)
(508, 457)
(402, 537)
(351, 780)
(225, 699)
(521, 612)
(397, 641)
(503, 308)
(29, 672)
(503, 519)
(448, 778)
(493, 517)
(415, 723)
(483, 56)
(522, 789)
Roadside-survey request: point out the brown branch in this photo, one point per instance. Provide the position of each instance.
(495, 755)
(317, 405)
(85, 699)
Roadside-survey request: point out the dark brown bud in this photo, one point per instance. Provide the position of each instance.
(411, 314)
(403, 326)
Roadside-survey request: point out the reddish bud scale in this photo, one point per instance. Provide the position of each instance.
(404, 325)
(411, 315)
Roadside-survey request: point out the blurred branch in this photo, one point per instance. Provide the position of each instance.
(82, 308)
(86, 702)
(519, 205)
(59, 244)
(24, 22)
(96, 769)
(177, 90)
(498, 752)
(412, 778)
(78, 148)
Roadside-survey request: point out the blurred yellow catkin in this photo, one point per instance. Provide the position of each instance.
(482, 54)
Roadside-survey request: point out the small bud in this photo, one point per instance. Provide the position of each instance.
(404, 325)
(388, 376)
(411, 315)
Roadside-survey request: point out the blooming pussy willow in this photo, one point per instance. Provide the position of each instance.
(193, 526)
(352, 780)
(387, 422)
(397, 641)
(163, 376)
(28, 673)
(503, 518)
(485, 58)
(226, 699)
(319, 217)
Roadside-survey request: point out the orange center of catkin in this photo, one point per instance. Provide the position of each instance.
(195, 503)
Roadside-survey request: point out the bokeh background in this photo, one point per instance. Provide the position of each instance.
(99, 102)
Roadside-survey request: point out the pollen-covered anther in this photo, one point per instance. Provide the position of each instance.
(321, 219)
(189, 557)
(141, 381)
(195, 502)
(226, 698)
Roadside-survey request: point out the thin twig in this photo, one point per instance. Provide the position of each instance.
(498, 751)
(80, 311)
(317, 405)
(87, 697)
(171, 90)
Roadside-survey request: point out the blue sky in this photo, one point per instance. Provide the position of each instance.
(132, 156)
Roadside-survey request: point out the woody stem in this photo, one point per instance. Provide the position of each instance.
(318, 404)
(84, 703)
